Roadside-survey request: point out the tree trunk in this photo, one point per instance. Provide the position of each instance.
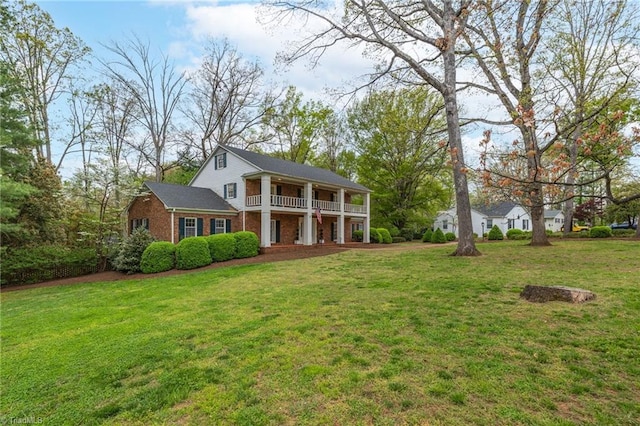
(466, 242)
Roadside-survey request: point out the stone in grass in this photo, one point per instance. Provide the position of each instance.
(542, 294)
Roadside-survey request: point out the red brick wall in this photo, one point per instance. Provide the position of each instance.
(150, 207)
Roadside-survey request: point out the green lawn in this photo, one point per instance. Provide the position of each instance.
(360, 337)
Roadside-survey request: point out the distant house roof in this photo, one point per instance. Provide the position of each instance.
(288, 168)
(499, 210)
(550, 214)
(188, 197)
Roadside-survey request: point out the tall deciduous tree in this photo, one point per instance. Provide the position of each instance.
(416, 42)
(42, 58)
(156, 87)
(399, 138)
(226, 99)
(588, 66)
(291, 127)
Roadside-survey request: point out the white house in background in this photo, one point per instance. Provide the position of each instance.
(447, 221)
(506, 215)
(553, 220)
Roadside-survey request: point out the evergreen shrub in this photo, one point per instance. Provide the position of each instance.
(407, 234)
(385, 236)
(514, 234)
(398, 240)
(222, 247)
(159, 256)
(495, 234)
(192, 252)
(247, 244)
(357, 235)
(129, 254)
(438, 237)
(426, 237)
(600, 232)
(450, 236)
(374, 236)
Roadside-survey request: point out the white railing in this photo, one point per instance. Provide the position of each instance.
(354, 208)
(291, 202)
(301, 203)
(326, 205)
(254, 200)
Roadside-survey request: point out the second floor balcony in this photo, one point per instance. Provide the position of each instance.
(281, 201)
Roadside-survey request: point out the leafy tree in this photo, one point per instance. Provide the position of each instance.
(291, 128)
(15, 161)
(41, 57)
(131, 249)
(416, 42)
(398, 135)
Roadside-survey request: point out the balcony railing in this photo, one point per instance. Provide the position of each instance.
(301, 203)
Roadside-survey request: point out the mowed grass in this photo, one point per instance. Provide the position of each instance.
(385, 336)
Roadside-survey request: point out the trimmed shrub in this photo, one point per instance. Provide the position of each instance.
(600, 232)
(222, 247)
(450, 236)
(247, 244)
(159, 256)
(624, 233)
(426, 237)
(495, 234)
(398, 240)
(438, 237)
(192, 252)
(357, 235)
(385, 236)
(514, 234)
(129, 254)
(374, 236)
(42, 263)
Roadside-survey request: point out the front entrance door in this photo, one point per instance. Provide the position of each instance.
(275, 231)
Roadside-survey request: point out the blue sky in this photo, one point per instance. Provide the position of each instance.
(180, 29)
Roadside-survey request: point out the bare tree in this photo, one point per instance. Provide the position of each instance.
(157, 89)
(505, 40)
(415, 41)
(589, 64)
(226, 99)
(42, 57)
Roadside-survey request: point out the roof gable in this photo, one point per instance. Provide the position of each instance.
(281, 167)
(188, 197)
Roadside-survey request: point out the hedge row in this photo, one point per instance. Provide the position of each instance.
(37, 264)
(195, 252)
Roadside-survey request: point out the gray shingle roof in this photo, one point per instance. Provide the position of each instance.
(188, 197)
(499, 210)
(291, 169)
(550, 214)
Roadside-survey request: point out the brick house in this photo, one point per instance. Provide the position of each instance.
(283, 202)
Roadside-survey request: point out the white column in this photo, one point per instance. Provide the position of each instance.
(341, 217)
(367, 225)
(265, 206)
(308, 217)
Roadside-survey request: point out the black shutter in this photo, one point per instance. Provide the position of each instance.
(225, 192)
(212, 226)
(200, 228)
(215, 162)
(299, 192)
(315, 195)
(235, 190)
(180, 228)
(224, 159)
(228, 225)
(277, 231)
(278, 189)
